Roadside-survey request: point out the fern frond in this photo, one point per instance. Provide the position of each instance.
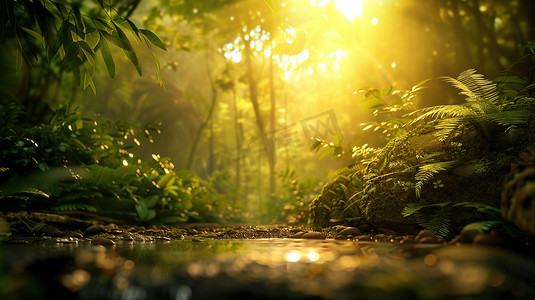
(474, 86)
(483, 208)
(75, 206)
(413, 207)
(437, 216)
(428, 171)
(509, 117)
(443, 111)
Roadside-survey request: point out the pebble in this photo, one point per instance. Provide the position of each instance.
(102, 242)
(350, 231)
(314, 235)
(75, 234)
(116, 231)
(67, 240)
(425, 234)
(407, 240)
(192, 231)
(465, 237)
(111, 227)
(488, 239)
(94, 230)
(298, 235)
(364, 237)
(162, 239)
(341, 237)
(428, 240)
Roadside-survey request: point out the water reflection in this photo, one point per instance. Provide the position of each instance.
(271, 269)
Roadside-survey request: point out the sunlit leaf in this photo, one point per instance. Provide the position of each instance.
(153, 38)
(108, 59)
(158, 67)
(116, 40)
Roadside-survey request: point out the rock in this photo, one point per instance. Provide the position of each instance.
(382, 201)
(102, 242)
(192, 231)
(116, 231)
(314, 235)
(297, 235)
(380, 237)
(518, 195)
(466, 236)
(365, 228)
(424, 234)
(428, 240)
(488, 239)
(349, 231)
(126, 236)
(162, 239)
(406, 240)
(111, 227)
(330, 204)
(364, 237)
(67, 240)
(76, 234)
(94, 230)
(340, 237)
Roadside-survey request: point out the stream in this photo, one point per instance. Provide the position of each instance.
(262, 269)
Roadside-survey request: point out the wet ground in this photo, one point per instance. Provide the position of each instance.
(205, 267)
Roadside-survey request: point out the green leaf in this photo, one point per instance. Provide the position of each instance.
(153, 38)
(158, 67)
(344, 189)
(106, 55)
(119, 42)
(54, 46)
(36, 35)
(133, 58)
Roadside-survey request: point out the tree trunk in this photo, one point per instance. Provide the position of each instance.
(253, 95)
(206, 121)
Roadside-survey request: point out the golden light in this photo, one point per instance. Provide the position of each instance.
(125, 163)
(350, 8)
(313, 256)
(292, 256)
(375, 21)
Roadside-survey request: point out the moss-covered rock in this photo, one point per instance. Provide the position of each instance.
(331, 205)
(518, 195)
(477, 166)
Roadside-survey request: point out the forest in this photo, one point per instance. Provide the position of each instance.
(394, 115)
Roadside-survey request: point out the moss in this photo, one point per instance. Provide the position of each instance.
(387, 184)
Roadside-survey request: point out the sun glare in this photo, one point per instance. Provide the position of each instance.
(350, 8)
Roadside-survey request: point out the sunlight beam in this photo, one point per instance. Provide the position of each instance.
(350, 8)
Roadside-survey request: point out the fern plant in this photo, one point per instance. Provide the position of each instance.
(437, 216)
(428, 171)
(483, 108)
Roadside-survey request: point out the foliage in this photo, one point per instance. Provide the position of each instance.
(291, 204)
(483, 109)
(70, 34)
(389, 105)
(77, 163)
(428, 171)
(437, 217)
